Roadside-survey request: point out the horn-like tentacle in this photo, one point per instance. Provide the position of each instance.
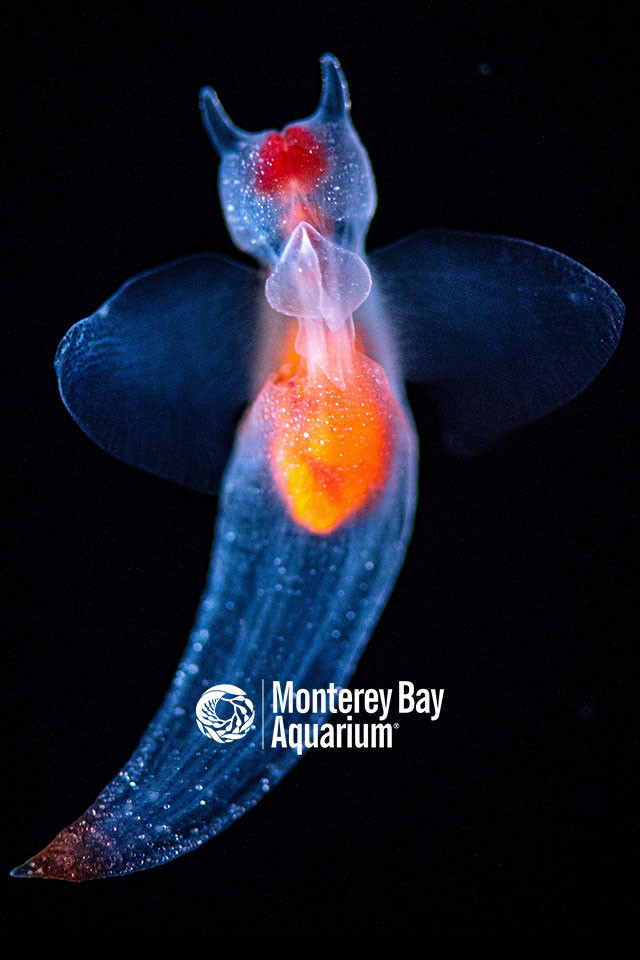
(335, 101)
(223, 133)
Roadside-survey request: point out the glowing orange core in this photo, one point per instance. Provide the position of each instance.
(331, 447)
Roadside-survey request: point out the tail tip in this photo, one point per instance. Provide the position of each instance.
(75, 854)
(25, 870)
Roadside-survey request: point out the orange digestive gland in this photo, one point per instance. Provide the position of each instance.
(331, 444)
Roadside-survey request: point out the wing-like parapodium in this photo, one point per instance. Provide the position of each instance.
(158, 375)
(502, 330)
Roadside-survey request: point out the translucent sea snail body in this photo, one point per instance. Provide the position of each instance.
(319, 492)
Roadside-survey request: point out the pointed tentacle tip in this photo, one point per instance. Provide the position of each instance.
(75, 854)
(223, 133)
(335, 101)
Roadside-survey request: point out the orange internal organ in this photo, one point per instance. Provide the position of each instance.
(331, 447)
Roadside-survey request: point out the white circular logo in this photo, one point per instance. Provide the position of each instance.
(224, 713)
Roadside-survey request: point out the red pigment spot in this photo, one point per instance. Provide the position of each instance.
(293, 160)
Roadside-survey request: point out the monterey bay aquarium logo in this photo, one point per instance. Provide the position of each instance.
(299, 719)
(224, 713)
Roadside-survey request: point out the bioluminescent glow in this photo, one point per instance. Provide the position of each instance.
(318, 495)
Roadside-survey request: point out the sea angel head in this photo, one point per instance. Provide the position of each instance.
(314, 171)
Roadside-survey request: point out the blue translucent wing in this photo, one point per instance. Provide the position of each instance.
(502, 330)
(158, 374)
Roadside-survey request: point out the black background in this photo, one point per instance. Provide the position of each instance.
(512, 815)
